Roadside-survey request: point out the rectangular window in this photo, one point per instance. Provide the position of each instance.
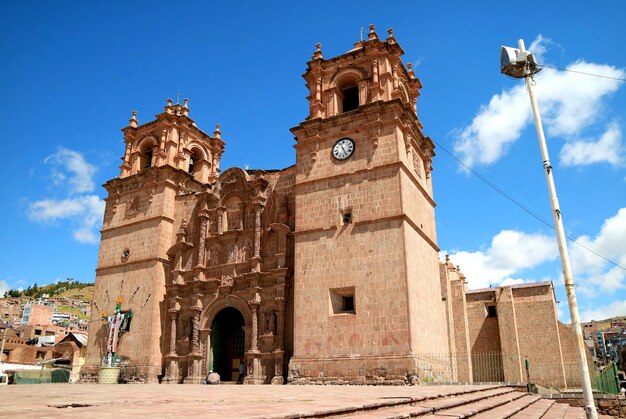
(491, 311)
(342, 300)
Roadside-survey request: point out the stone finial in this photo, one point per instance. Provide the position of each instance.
(185, 108)
(391, 39)
(133, 120)
(411, 72)
(372, 33)
(217, 133)
(317, 55)
(168, 107)
(447, 258)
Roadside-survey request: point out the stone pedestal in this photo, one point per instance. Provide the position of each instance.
(108, 375)
(253, 365)
(171, 370)
(194, 373)
(278, 368)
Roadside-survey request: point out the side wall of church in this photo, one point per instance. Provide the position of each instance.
(538, 333)
(426, 308)
(454, 285)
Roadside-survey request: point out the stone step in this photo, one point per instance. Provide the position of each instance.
(557, 411)
(509, 409)
(535, 410)
(483, 406)
(432, 406)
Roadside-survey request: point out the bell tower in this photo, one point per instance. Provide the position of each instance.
(164, 160)
(367, 294)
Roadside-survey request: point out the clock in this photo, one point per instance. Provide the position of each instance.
(343, 149)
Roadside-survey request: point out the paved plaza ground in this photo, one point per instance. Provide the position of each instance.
(224, 401)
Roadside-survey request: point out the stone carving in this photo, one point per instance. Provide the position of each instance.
(227, 281)
(116, 202)
(132, 206)
(214, 256)
(270, 325)
(234, 220)
(417, 165)
(232, 253)
(246, 251)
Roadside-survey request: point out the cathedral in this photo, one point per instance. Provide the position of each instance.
(327, 270)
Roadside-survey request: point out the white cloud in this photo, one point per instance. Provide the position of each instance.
(4, 287)
(85, 211)
(569, 102)
(72, 174)
(616, 308)
(70, 167)
(510, 252)
(594, 274)
(607, 149)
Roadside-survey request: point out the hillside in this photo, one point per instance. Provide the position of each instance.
(70, 289)
(84, 294)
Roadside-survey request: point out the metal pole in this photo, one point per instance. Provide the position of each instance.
(590, 406)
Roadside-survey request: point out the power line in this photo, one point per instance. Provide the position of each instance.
(523, 207)
(584, 72)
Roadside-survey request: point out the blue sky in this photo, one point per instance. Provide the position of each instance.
(73, 71)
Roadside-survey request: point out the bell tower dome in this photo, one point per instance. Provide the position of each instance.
(366, 286)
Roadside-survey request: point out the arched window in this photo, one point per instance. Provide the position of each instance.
(146, 155)
(192, 160)
(198, 164)
(350, 98)
(147, 159)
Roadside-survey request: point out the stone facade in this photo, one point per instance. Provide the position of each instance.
(324, 271)
(497, 329)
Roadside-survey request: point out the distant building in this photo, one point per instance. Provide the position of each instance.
(11, 310)
(58, 317)
(37, 313)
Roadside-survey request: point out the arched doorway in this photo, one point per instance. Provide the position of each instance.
(227, 343)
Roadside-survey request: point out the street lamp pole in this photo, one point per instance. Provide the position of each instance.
(528, 71)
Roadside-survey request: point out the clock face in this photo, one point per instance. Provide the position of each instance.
(343, 149)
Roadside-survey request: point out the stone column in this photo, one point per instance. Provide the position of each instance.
(254, 340)
(257, 231)
(281, 322)
(171, 359)
(173, 317)
(279, 352)
(195, 331)
(220, 220)
(204, 218)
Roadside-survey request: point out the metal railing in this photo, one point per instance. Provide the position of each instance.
(503, 367)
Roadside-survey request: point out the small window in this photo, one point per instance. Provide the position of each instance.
(350, 98)
(342, 300)
(491, 311)
(347, 218)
